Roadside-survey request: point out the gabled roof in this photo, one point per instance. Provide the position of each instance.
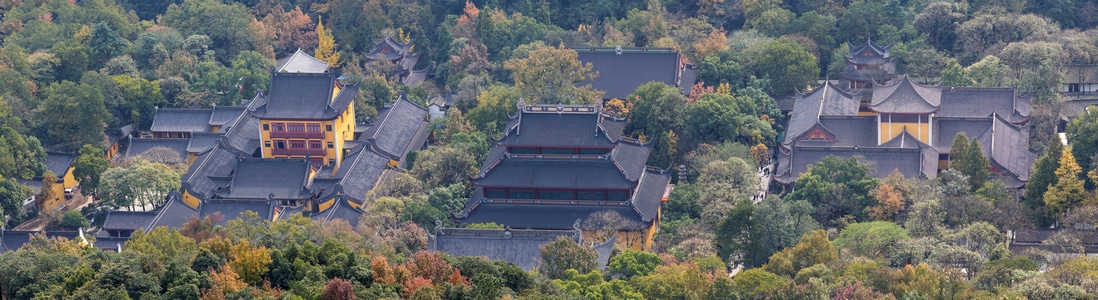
(549, 128)
(232, 209)
(1007, 146)
(515, 246)
(620, 74)
(825, 100)
(400, 129)
(946, 129)
(911, 162)
(555, 173)
(260, 178)
(532, 216)
(906, 97)
(869, 53)
(359, 173)
(629, 157)
(222, 115)
(173, 214)
(211, 171)
(390, 48)
(128, 220)
(243, 134)
(181, 120)
(58, 163)
(649, 193)
(303, 96)
(139, 146)
(201, 141)
(12, 240)
(301, 62)
(968, 102)
(341, 210)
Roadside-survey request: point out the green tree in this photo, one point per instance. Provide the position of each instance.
(634, 263)
(813, 249)
(974, 165)
(1082, 132)
(444, 165)
(229, 26)
(836, 187)
(564, 254)
(720, 68)
(1042, 177)
(873, 239)
(788, 65)
(73, 115)
(73, 219)
(785, 223)
(939, 22)
(736, 234)
(989, 71)
(550, 75)
(105, 43)
(89, 165)
(21, 156)
(12, 194)
(142, 185)
(494, 106)
(757, 283)
(141, 96)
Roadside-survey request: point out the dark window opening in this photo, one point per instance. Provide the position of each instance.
(328, 127)
(617, 195)
(315, 145)
(266, 127)
(596, 151)
(297, 144)
(267, 144)
(278, 127)
(556, 195)
(331, 145)
(495, 193)
(522, 194)
(280, 144)
(523, 150)
(558, 151)
(296, 127)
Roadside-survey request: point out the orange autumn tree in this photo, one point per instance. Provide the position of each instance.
(889, 203)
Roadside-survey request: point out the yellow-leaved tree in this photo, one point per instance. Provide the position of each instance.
(325, 46)
(1068, 192)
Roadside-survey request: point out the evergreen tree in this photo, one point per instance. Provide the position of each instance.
(975, 165)
(958, 150)
(325, 46)
(1042, 176)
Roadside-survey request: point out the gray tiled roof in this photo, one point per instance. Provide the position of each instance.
(852, 131)
(552, 129)
(906, 96)
(620, 74)
(515, 246)
(1007, 146)
(173, 214)
(877, 54)
(688, 78)
(181, 120)
(128, 220)
(946, 129)
(256, 178)
(545, 216)
(826, 100)
(139, 146)
(301, 62)
(555, 173)
(360, 171)
(415, 77)
(300, 96)
(649, 194)
(613, 128)
(982, 102)
(341, 210)
(222, 115)
(218, 162)
(12, 240)
(1071, 109)
(200, 141)
(58, 163)
(910, 162)
(232, 209)
(390, 48)
(630, 158)
(400, 129)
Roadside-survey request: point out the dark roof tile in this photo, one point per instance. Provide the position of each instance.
(181, 120)
(257, 178)
(301, 62)
(515, 246)
(620, 74)
(128, 220)
(58, 163)
(556, 173)
(299, 96)
(906, 96)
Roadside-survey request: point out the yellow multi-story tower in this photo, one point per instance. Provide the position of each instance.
(306, 115)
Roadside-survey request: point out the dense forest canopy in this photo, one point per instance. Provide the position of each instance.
(73, 72)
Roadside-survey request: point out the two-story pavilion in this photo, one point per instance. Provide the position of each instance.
(556, 164)
(305, 115)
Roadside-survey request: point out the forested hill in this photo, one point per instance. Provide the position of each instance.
(74, 74)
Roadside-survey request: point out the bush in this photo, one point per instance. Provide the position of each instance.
(73, 220)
